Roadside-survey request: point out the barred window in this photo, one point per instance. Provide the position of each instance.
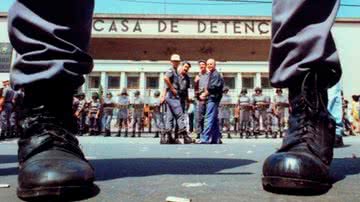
(113, 82)
(248, 82)
(152, 82)
(229, 82)
(133, 82)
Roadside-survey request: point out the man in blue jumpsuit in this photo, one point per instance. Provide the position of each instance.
(213, 94)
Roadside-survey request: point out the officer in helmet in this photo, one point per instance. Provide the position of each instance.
(246, 107)
(225, 111)
(138, 112)
(261, 105)
(157, 113)
(280, 107)
(123, 106)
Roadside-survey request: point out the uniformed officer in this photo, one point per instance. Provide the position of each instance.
(280, 107)
(137, 113)
(225, 111)
(213, 94)
(246, 110)
(175, 111)
(123, 106)
(184, 85)
(7, 109)
(18, 112)
(93, 115)
(157, 114)
(200, 85)
(82, 112)
(261, 105)
(108, 109)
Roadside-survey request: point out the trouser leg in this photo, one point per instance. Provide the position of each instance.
(51, 49)
(302, 42)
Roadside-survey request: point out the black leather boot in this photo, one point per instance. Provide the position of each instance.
(302, 163)
(156, 134)
(187, 138)
(51, 163)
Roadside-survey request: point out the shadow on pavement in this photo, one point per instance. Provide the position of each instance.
(342, 167)
(108, 169)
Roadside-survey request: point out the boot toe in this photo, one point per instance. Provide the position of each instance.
(55, 169)
(295, 170)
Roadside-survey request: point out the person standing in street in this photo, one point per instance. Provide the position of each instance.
(123, 106)
(137, 105)
(200, 85)
(108, 110)
(280, 106)
(212, 94)
(246, 108)
(175, 112)
(7, 106)
(157, 115)
(225, 111)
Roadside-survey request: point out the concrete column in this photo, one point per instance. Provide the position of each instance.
(258, 79)
(161, 81)
(84, 87)
(238, 83)
(123, 80)
(103, 81)
(142, 83)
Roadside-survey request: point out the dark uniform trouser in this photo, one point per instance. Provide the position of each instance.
(200, 113)
(245, 121)
(159, 121)
(302, 42)
(175, 114)
(6, 121)
(265, 121)
(52, 48)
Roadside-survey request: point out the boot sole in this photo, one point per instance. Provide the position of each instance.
(293, 185)
(59, 193)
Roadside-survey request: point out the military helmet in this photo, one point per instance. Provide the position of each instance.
(137, 92)
(258, 89)
(157, 93)
(124, 92)
(278, 90)
(243, 91)
(109, 93)
(226, 89)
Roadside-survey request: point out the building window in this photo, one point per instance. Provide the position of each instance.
(5, 57)
(94, 81)
(248, 82)
(133, 82)
(152, 82)
(229, 82)
(113, 82)
(265, 83)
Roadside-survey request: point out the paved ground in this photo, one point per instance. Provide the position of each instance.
(139, 169)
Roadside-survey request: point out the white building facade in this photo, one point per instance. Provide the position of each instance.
(132, 51)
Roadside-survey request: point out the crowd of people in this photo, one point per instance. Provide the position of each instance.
(248, 116)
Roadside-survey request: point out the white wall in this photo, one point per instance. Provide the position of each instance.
(347, 38)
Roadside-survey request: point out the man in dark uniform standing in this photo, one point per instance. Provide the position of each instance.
(200, 85)
(261, 105)
(303, 59)
(246, 107)
(213, 94)
(174, 109)
(225, 111)
(8, 95)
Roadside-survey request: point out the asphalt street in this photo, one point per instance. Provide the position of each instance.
(140, 169)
